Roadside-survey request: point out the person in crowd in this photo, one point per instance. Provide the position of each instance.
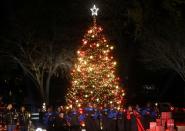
(156, 112)
(148, 115)
(89, 111)
(112, 116)
(129, 112)
(104, 117)
(60, 109)
(138, 109)
(96, 117)
(49, 119)
(138, 118)
(74, 122)
(31, 126)
(131, 124)
(10, 118)
(60, 122)
(23, 119)
(81, 117)
(121, 119)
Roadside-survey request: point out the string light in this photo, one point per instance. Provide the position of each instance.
(79, 105)
(115, 63)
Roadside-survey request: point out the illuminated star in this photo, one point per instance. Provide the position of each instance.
(94, 10)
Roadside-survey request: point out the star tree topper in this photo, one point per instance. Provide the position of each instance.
(94, 10)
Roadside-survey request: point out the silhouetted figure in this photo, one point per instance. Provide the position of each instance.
(148, 115)
(61, 123)
(74, 123)
(121, 120)
(10, 118)
(23, 119)
(49, 119)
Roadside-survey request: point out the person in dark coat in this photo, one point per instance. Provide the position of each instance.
(105, 118)
(61, 123)
(96, 118)
(23, 119)
(89, 121)
(148, 115)
(74, 123)
(10, 118)
(121, 120)
(49, 119)
(92, 120)
(112, 114)
(131, 121)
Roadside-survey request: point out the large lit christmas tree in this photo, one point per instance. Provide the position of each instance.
(93, 75)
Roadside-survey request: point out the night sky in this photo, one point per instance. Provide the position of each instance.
(124, 22)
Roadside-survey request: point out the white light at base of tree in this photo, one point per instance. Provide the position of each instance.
(39, 129)
(44, 107)
(83, 125)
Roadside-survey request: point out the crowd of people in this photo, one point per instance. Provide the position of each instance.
(12, 119)
(91, 118)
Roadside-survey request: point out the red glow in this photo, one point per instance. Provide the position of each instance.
(81, 111)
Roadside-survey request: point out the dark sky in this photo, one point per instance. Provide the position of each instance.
(68, 20)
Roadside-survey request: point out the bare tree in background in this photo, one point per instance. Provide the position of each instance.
(161, 54)
(40, 60)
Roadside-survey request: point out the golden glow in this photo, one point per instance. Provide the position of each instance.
(93, 75)
(80, 59)
(90, 31)
(83, 124)
(67, 107)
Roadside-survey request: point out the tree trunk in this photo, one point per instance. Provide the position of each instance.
(48, 88)
(43, 95)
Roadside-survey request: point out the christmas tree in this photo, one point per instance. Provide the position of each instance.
(93, 75)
